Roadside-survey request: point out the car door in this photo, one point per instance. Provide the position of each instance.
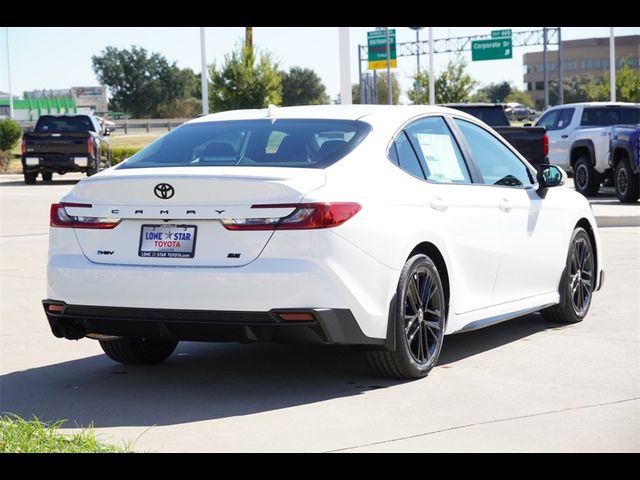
(531, 229)
(467, 217)
(549, 121)
(563, 138)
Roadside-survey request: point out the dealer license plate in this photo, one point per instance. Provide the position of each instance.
(168, 241)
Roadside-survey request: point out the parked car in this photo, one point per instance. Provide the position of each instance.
(532, 142)
(518, 111)
(624, 160)
(579, 138)
(107, 125)
(64, 143)
(384, 227)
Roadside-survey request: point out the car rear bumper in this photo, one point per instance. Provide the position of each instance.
(318, 325)
(304, 272)
(58, 163)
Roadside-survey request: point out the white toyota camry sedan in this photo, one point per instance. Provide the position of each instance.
(377, 226)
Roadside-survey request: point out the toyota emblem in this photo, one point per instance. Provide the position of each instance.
(164, 191)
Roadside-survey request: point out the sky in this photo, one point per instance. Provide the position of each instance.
(60, 57)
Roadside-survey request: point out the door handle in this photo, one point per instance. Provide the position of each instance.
(564, 136)
(504, 205)
(439, 204)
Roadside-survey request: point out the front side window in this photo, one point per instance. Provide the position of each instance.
(548, 120)
(498, 165)
(300, 143)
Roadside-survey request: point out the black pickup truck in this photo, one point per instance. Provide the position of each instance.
(531, 142)
(64, 143)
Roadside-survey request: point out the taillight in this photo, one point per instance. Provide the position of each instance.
(90, 146)
(545, 144)
(305, 216)
(61, 218)
(24, 146)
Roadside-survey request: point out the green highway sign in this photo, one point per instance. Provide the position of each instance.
(500, 33)
(377, 48)
(493, 49)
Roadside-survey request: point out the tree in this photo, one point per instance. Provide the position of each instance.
(10, 132)
(627, 86)
(519, 96)
(575, 89)
(453, 85)
(381, 88)
(140, 82)
(302, 86)
(493, 93)
(244, 81)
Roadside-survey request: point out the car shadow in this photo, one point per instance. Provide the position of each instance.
(207, 381)
(464, 345)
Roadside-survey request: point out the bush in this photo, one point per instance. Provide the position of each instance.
(10, 133)
(119, 154)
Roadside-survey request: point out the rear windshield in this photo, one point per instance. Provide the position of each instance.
(604, 116)
(254, 143)
(493, 116)
(64, 124)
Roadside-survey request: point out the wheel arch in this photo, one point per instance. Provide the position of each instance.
(580, 148)
(620, 151)
(433, 252)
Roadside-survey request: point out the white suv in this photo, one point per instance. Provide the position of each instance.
(579, 138)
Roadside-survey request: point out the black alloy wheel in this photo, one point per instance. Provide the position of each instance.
(419, 318)
(581, 277)
(577, 283)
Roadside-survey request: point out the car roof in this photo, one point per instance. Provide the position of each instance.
(598, 104)
(370, 113)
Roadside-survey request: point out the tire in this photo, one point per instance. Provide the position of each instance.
(138, 351)
(585, 178)
(577, 282)
(95, 168)
(92, 170)
(417, 321)
(627, 183)
(47, 176)
(30, 178)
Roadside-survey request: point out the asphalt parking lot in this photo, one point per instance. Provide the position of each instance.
(524, 385)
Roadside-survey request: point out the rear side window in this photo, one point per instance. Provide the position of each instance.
(80, 123)
(564, 120)
(493, 116)
(605, 116)
(254, 143)
(406, 156)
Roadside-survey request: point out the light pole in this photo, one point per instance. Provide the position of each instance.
(9, 74)
(204, 83)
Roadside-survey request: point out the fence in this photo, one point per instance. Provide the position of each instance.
(132, 125)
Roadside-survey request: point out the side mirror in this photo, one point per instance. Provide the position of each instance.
(549, 176)
(107, 131)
